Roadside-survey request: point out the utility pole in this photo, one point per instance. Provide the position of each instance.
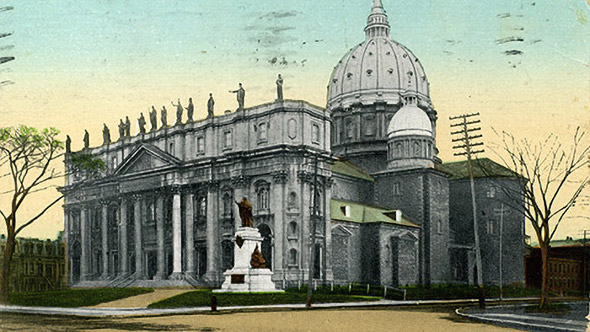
(313, 220)
(466, 135)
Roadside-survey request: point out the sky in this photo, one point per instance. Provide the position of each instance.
(523, 65)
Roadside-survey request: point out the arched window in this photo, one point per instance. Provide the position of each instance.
(292, 257)
(226, 204)
(262, 195)
(349, 128)
(417, 149)
(398, 149)
(203, 206)
(319, 201)
(292, 231)
(151, 211)
(292, 199)
(263, 199)
(200, 206)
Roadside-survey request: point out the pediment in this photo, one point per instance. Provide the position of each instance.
(340, 230)
(407, 236)
(145, 158)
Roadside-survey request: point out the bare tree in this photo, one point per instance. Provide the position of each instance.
(552, 182)
(27, 156)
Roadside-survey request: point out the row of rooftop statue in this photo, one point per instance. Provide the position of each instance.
(125, 126)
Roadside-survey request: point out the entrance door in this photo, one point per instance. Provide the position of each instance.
(201, 261)
(266, 249)
(151, 263)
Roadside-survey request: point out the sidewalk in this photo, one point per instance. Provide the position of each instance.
(142, 311)
(516, 316)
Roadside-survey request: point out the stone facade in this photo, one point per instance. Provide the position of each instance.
(37, 265)
(164, 209)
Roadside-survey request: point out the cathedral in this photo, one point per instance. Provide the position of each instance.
(364, 172)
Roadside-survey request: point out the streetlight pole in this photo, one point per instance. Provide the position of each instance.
(467, 145)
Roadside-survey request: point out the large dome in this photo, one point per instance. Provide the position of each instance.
(378, 69)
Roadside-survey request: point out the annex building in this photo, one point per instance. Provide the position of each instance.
(388, 211)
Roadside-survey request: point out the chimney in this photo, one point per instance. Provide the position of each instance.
(398, 215)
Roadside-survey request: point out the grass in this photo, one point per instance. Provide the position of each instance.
(459, 291)
(73, 298)
(202, 298)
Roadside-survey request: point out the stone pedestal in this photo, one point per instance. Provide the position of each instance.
(242, 277)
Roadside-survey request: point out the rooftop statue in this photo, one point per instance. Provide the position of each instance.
(141, 123)
(240, 95)
(245, 209)
(210, 106)
(190, 110)
(68, 144)
(279, 88)
(121, 129)
(106, 134)
(164, 114)
(179, 110)
(86, 139)
(154, 118)
(127, 127)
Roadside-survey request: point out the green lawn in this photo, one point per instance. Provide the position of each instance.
(202, 298)
(458, 291)
(72, 298)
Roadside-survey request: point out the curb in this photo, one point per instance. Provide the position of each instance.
(520, 324)
(145, 312)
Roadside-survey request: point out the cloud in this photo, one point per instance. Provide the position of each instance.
(509, 40)
(513, 52)
(280, 14)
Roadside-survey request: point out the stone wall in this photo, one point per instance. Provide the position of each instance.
(489, 199)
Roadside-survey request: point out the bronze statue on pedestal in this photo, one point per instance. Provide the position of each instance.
(246, 212)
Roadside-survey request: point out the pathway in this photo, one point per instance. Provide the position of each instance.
(143, 300)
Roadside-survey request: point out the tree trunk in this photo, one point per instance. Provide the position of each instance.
(5, 268)
(544, 271)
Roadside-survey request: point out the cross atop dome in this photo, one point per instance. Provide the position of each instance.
(377, 24)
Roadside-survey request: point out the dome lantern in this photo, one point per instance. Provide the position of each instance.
(377, 24)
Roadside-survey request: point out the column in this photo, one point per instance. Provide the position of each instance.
(84, 236)
(161, 274)
(123, 270)
(277, 201)
(176, 236)
(212, 240)
(189, 238)
(138, 200)
(105, 243)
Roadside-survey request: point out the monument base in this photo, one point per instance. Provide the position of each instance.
(242, 277)
(248, 280)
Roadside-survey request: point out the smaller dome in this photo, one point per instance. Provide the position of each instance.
(409, 120)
